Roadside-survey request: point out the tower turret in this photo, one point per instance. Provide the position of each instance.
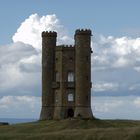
(83, 74)
(48, 55)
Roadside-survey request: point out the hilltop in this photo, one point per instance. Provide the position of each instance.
(73, 130)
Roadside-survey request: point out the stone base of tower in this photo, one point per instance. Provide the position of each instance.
(83, 112)
(46, 113)
(60, 112)
(57, 113)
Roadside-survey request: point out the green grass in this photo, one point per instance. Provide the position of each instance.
(73, 130)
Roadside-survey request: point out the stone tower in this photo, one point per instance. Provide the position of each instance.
(66, 77)
(48, 56)
(83, 74)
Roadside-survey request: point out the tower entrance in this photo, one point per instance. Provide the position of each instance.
(70, 113)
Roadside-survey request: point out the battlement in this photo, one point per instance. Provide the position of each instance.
(83, 32)
(49, 34)
(65, 46)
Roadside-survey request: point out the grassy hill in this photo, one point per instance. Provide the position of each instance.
(73, 130)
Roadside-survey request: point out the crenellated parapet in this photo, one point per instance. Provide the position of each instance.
(49, 34)
(83, 32)
(65, 46)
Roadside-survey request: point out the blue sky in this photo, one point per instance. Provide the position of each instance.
(115, 61)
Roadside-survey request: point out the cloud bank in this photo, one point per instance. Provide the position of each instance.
(121, 107)
(22, 106)
(115, 65)
(18, 76)
(20, 64)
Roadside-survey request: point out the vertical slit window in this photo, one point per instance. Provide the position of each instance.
(57, 76)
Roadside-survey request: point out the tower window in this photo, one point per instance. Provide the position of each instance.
(57, 76)
(70, 98)
(70, 95)
(70, 76)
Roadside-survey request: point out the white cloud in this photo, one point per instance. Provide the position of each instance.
(135, 87)
(102, 86)
(137, 102)
(30, 30)
(113, 52)
(20, 106)
(13, 52)
(122, 107)
(20, 63)
(116, 60)
(12, 66)
(137, 68)
(106, 105)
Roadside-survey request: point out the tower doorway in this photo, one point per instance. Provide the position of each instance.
(70, 113)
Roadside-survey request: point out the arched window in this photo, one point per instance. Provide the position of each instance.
(70, 76)
(57, 77)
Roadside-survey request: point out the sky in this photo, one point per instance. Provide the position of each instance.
(115, 59)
